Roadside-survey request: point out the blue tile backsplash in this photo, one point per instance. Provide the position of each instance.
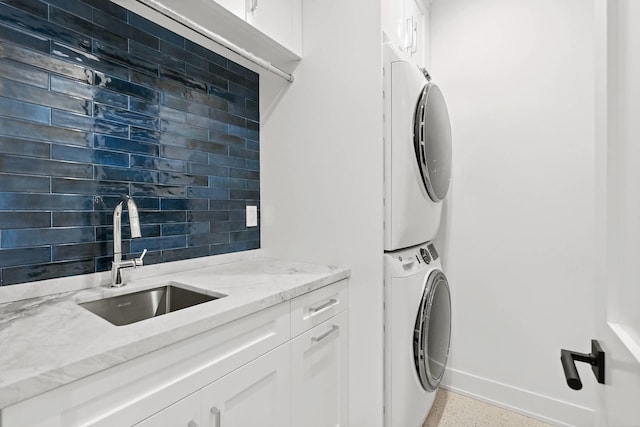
(96, 102)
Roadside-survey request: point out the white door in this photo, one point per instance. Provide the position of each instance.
(319, 375)
(257, 394)
(618, 209)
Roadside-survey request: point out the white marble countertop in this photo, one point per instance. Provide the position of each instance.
(49, 341)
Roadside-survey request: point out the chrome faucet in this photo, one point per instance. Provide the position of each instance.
(134, 223)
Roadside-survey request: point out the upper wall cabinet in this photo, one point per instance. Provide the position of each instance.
(406, 22)
(270, 29)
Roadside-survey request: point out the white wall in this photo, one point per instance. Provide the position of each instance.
(517, 238)
(321, 175)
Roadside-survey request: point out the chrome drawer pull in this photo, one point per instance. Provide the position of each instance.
(326, 334)
(216, 413)
(324, 306)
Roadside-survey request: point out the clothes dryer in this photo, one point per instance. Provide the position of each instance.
(417, 137)
(417, 333)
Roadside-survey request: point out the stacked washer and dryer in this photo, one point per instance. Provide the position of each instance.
(417, 297)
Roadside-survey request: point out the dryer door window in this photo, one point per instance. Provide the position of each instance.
(432, 332)
(432, 142)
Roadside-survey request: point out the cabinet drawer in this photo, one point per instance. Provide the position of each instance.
(315, 307)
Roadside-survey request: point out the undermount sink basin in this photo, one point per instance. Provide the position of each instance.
(136, 306)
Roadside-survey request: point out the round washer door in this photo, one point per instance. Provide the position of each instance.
(432, 142)
(432, 333)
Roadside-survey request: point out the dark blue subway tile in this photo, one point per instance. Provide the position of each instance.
(252, 145)
(225, 182)
(107, 20)
(121, 59)
(161, 217)
(158, 243)
(24, 147)
(74, 251)
(107, 173)
(238, 131)
(184, 204)
(33, 7)
(222, 160)
(186, 228)
(143, 107)
(208, 170)
(23, 74)
(109, 202)
(44, 202)
(208, 239)
(42, 27)
(34, 166)
(36, 95)
(14, 275)
(145, 52)
(225, 117)
(245, 174)
(18, 219)
(125, 117)
(124, 145)
(209, 193)
(244, 154)
(21, 38)
(251, 76)
(207, 147)
(182, 179)
(10, 127)
(156, 190)
(45, 62)
(145, 135)
(253, 126)
(155, 29)
(187, 106)
(172, 115)
(240, 236)
(227, 205)
(225, 138)
(229, 226)
(90, 124)
(20, 238)
(181, 54)
(244, 195)
(16, 183)
(110, 8)
(159, 164)
(184, 130)
(86, 27)
(86, 186)
(234, 247)
(96, 63)
(76, 7)
(206, 53)
(125, 87)
(179, 153)
(87, 155)
(237, 215)
(207, 216)
(26, 256)
(22, 110)
(182, 79)
(184, 253)
(253, 185)
(74, 219)
(253, 165)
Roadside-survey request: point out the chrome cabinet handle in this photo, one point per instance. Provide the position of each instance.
(326, 334)
(216, 413)
(253, 5)
(330, 303)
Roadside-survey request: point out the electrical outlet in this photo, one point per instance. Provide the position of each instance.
(252, 216)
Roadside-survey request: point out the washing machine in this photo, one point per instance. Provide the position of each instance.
(417, 135)
(417, 333)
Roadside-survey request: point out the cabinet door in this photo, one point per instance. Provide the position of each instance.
(319, 375)
(183, 413)
(237, 7)
(278, 19)
(257, 394)
(415, 40)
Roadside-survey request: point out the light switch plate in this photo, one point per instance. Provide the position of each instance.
(252, 216)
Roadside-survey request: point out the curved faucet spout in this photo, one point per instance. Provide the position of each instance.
(134, 224)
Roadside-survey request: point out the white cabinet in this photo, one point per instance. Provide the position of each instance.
(319, 375)
(406, 23)
(184, 413)
(258, 394)
(279, 19)
(237, 7)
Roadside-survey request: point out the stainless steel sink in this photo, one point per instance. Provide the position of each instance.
(136, 306)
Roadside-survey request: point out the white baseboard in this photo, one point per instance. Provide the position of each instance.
(534, 405)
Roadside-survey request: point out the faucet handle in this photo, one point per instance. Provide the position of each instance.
(139, 261)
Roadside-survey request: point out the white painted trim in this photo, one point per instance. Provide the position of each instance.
(525, 402)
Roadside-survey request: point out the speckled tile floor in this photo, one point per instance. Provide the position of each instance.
(454, 410)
